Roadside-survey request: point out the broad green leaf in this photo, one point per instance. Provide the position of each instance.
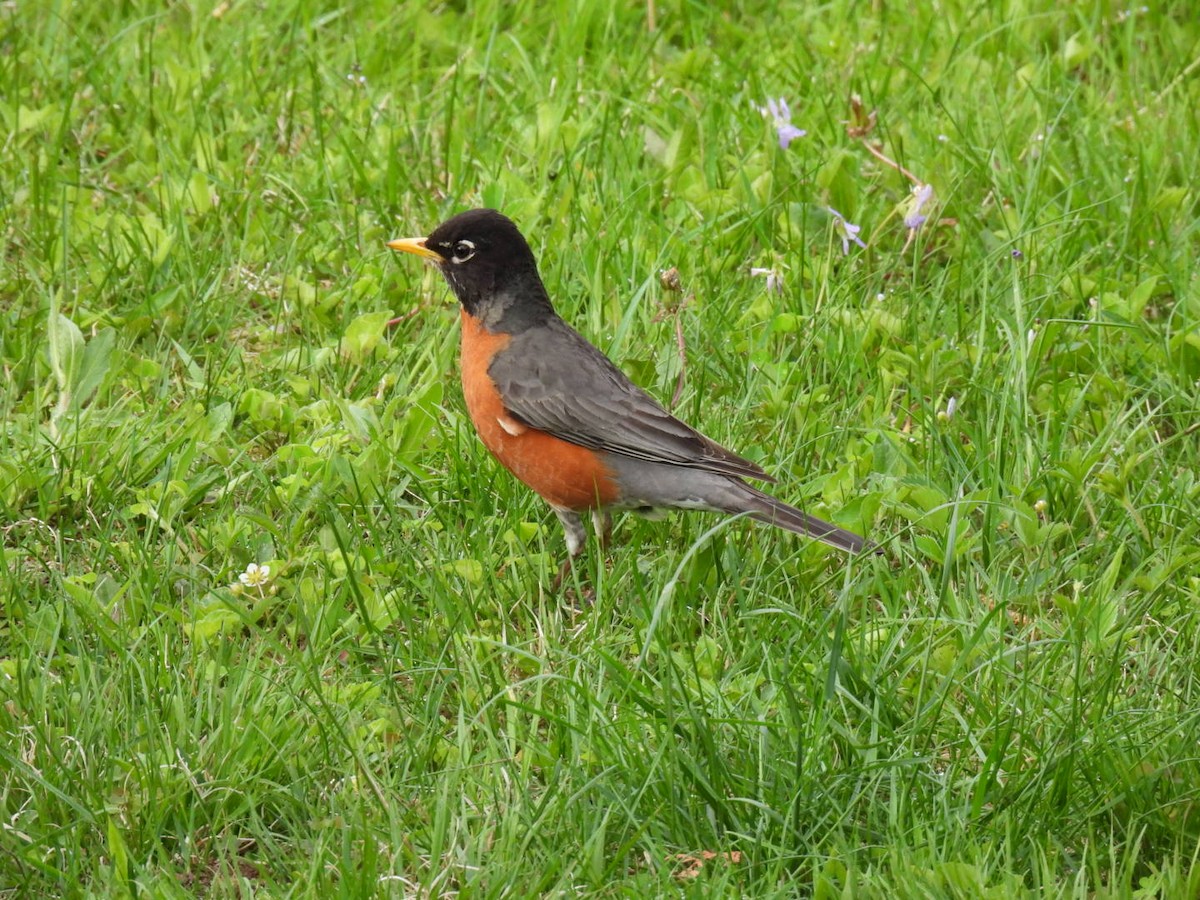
(97, 356)
(66, 350)
(29, 119)
(364, 334)
(1135, 304)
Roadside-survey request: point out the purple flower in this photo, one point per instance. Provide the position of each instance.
(921, 195)
(847, 231)
(781, 117)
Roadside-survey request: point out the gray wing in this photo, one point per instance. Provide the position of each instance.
(552, 379)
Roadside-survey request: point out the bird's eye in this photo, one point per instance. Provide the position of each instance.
(463, 251)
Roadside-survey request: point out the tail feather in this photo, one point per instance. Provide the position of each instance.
(765, 508)
(649, 486)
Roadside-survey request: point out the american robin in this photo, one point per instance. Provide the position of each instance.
(562, 418)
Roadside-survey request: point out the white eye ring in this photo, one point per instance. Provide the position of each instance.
(463, 250)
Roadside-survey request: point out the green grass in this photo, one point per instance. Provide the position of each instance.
(197, 375)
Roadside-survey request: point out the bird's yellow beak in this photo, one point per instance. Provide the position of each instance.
(416, 246)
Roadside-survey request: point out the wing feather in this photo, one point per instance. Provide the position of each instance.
(552, 379)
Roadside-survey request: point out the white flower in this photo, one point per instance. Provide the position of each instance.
(774, 279)
(945, 415)
(255, 575)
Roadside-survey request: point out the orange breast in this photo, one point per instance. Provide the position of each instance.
(564, 474)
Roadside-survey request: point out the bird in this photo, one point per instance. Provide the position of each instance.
(560, 416)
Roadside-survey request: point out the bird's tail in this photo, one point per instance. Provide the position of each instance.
(766, 508)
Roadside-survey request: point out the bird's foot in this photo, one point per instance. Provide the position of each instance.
(565, 568)
(585, 597)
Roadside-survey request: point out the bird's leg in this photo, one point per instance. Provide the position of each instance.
(576, 538)
(602, 524)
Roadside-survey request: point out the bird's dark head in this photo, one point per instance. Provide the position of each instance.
(489, 266)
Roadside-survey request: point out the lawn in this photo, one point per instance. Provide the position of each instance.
(273, 623)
